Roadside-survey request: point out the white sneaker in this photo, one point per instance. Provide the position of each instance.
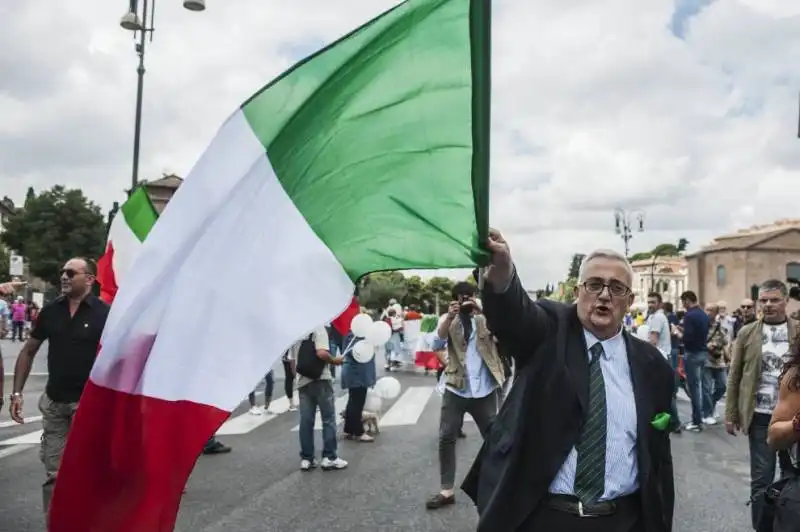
(333, 465)
(710, 420)
(308, 465)
(256, 411)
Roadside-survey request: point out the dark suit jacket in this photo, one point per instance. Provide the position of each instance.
(540, 421)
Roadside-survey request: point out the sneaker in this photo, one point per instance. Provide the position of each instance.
(710, 421)
(691, 427)
(308, 465)
(333, 465)
(440, 501)
(216, 448)
(255, 411)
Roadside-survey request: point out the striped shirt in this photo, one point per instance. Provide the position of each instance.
(622, 470)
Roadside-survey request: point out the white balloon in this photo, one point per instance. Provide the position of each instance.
(388, 388)
(373, 403)
(379, 333)
(361, 325)
(363, 351)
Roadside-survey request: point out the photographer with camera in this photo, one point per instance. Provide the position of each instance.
(472, 376)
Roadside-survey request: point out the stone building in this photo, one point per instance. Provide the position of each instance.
(731, 267)
(666, 275)
(162, 190)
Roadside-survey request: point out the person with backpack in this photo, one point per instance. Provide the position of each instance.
(315, 389)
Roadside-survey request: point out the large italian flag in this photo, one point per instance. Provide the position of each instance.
(371, 155)
(129, 228)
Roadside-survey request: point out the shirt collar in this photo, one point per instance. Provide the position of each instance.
(612, 344)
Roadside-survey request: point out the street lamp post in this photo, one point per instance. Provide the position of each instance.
(626, 222)
(144, 26)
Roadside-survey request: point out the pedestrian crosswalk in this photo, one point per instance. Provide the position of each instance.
(406, 410)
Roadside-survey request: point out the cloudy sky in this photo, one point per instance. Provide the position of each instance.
(687, 109)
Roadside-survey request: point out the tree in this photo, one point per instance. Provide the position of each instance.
(30, 195)
(640, 256)
(682, 245)
(379, 287)
(54, 226)
(415, 292)
(575, 265)
(438, 289)
(4, 265)
(665, 250)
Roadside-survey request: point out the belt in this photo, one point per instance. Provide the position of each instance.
(571, 505)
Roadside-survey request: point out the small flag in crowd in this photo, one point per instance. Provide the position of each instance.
(130, 227)
(372, 154)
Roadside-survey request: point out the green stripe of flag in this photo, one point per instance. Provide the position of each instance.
(139, 213)
(386, 132)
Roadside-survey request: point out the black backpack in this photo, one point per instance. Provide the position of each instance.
(309, 365)
(781, 501)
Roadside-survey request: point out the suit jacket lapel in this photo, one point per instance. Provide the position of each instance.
(640, 378)
(578, 359)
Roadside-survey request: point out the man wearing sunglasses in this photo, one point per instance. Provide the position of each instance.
(72, 324)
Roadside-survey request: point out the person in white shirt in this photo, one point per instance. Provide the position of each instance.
(658, 325)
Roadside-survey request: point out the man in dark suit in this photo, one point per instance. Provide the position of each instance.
(581, 443)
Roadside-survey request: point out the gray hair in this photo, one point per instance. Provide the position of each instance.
(774, 284)
(609, 254)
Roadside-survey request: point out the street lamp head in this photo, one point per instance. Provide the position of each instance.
(194, 5)
(130, 21)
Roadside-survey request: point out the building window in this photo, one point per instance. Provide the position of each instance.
(720, 275)
(793, 270)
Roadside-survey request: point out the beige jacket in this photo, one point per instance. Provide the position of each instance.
(745, 372)
(455, 371)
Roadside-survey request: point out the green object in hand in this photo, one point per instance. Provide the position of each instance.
(661, 421)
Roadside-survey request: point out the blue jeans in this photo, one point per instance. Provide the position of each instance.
(269, 385)
(763, 461)
(715, 381)
(676, 420)
(695, 362)
(317, 394)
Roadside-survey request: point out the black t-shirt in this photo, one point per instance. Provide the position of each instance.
(73, 343)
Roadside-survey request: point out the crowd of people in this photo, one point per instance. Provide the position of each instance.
(600, 447)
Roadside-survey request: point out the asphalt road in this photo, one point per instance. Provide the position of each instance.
(258, 487)
(10, 350)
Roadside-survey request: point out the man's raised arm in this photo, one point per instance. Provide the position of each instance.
(512, 315)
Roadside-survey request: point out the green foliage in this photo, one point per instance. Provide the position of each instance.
(666, 249)
(379, 287)
(4, 265)
(376, 289)
(575, 265)
(53, 227)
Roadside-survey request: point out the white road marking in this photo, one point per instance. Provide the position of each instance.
(15, 449)
(30, 438)
(408, 408)
(247, 422)
(32, 419)
(338, 406)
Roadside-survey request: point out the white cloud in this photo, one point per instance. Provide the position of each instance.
(596, 105)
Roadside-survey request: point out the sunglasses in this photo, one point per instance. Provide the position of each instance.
(70, 273)
(747, 307)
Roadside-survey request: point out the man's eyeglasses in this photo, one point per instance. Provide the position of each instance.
(70, 273)
(615, 288)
